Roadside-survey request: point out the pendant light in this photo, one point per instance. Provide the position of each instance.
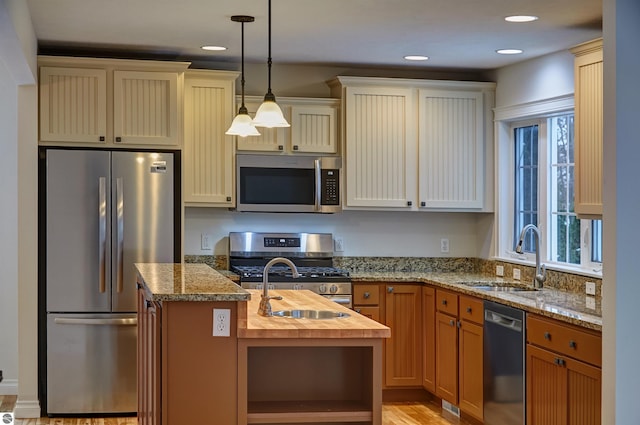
(242, 124)
(269, 113)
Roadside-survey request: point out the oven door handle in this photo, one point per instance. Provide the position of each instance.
(318, 173)
(344, 301)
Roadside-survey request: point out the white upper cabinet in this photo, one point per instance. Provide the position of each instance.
(451, 149)
(110, 102)
(380, 147)
(417, 144)
(209, 154)
(588, 129)
(314, 127)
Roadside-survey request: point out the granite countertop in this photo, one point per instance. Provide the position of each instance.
(565, 306)
(187, 282)
(256, 326)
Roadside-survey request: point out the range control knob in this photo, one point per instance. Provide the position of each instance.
(333, 289)
(323, 289)
(297, 287)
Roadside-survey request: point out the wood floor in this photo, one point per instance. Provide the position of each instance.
(427, 413)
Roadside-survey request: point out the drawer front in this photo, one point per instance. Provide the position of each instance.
(564, 339)
(471, 309)
(366, 294)
(370, 312)
(447, 302)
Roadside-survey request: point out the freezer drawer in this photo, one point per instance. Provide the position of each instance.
(91, 363)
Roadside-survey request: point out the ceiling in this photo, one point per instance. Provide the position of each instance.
(455, 34)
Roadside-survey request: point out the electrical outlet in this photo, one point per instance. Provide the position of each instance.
(590, 303)
(499, 270)
(205, 240)
(338, 245)
(221, 321)
(590, 288)
(444, 245)
(516, 273)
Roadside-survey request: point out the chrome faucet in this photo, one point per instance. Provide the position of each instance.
(541, 270)
(265, 306)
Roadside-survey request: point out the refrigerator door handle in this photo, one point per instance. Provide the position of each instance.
(102, 233)
(132, 321)
(119, 233)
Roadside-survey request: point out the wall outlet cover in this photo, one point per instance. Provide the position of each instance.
(444, 245)
(590, 288)
(590, 303)
(221, 321)
(499, 270)
(338, 245)
(516, 273)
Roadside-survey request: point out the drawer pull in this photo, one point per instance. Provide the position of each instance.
(469, 310)
(389, 289)
(444, 302)
(572, 344)
(547, 336)
(366, 295)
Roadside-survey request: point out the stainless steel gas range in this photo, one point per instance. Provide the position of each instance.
(312, 253)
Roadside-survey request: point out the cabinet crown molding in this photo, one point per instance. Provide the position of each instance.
(409, 82)
(112, 63)
(586, 48)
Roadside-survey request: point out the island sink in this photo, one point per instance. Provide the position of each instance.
(498, 286)
(310, 314)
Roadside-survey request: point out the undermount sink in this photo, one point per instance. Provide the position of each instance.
(310, 314)
(499, 286)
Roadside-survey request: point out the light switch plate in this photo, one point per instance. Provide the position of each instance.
(516, 273)
(590, 288)
(590, 303)
(499, 270)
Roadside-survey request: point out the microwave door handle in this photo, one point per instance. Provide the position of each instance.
(316, 166)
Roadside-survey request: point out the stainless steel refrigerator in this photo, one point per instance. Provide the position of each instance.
(105, 210)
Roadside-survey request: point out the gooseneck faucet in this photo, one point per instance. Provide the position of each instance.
(265, 305)
(541, 270)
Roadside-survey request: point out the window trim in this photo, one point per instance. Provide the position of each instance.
(505, 119)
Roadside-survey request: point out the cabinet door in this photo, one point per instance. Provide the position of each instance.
(588, 131)
(429, 338)
(470, 369)
(270, 139)
(313, 129)
(209, 155)
(546, 388)
(73, 105)
(584, 392)
(146, 109)
(403, 314)
(451, 149)
(447, 358)
(380, 147)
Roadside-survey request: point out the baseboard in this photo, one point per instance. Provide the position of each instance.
(27, 409)
(405, 394)
(9, 387)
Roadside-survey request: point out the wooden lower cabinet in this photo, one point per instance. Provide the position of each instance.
(149, 361)
(470, 385)
(366, 300)
(403, 351)
(562, 389)
(447, 357)
(429, 339)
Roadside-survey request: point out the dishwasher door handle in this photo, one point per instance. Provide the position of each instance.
(502, 320)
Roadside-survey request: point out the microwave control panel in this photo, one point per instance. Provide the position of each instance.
(330, 187)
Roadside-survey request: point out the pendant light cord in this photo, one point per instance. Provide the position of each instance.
(269, 95)
(243, 109)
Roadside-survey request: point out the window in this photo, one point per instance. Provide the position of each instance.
(543, 194)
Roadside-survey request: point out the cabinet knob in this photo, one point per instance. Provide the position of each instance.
(295, 147)
(118, 139)
(547, 336)
(357, 310)
(409, 203)
(444, 302)
(366, 295)
(423, 204)
(469, 310)
(559, 362)
(280, 147)
(452, 322)
(138, 285)
(102, 138)
(572, 344)
(389, 289)
(228, 198)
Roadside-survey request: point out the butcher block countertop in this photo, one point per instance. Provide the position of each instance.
(187, 282)
(256, 326)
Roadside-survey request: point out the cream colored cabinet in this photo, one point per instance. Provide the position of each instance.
(209, 154)
(110, 102)
(416, 144)
(314, 127)
(588, 129)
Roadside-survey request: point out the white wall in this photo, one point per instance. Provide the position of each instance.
(365, 233)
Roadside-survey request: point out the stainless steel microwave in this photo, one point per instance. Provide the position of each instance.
(292, 183)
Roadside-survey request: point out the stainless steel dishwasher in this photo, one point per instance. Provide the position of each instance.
(504, 365)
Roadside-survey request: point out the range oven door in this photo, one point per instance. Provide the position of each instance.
(275, 183)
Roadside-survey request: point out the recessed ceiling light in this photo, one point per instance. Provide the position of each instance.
(521, 18)
(214, 48)
(509, 51)
(416, 57)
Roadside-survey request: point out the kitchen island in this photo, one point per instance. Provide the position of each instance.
(268, 370)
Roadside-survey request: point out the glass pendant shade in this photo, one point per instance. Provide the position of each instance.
(242, 126)
(270, 115)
